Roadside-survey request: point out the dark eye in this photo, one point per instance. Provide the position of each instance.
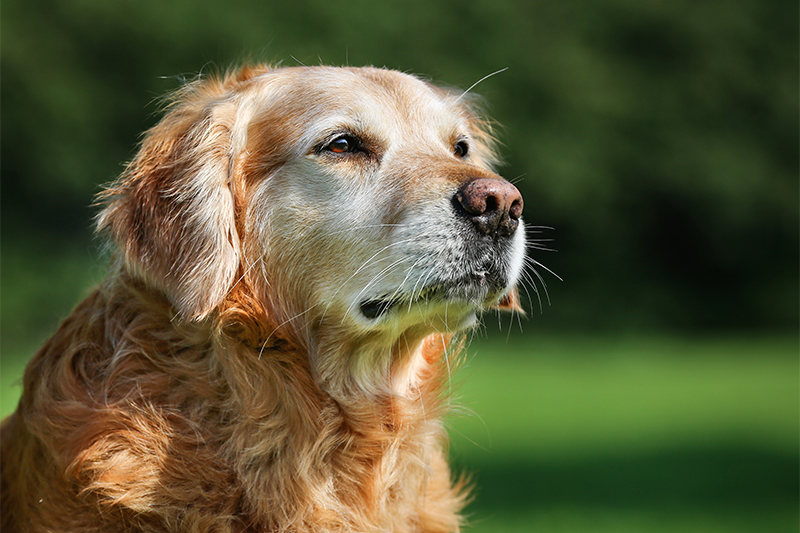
(461, 149)
(343, 145)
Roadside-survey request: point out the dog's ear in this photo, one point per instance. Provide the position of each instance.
(171, 212)
(510, 302)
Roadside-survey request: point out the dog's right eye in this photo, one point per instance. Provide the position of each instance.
(461, 149)
(343, 145)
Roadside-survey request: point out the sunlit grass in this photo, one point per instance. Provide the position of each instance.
(568, 396)
(643, 435)
(606, 520)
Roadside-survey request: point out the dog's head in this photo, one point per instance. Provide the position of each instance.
(360, 198)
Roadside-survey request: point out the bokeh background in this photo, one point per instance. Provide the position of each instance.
(656, 387)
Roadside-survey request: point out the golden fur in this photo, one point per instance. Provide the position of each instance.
(269, 349)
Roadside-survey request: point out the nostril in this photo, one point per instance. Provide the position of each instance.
(516, 208)
(492, 204)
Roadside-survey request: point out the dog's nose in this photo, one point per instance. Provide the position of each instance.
(492, 204)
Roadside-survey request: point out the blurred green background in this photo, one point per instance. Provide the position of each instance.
(659, 390)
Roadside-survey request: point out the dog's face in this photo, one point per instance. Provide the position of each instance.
(356, 199)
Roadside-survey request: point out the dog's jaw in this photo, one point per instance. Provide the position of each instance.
(388, 334)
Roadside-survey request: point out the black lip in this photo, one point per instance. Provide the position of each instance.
(475, 287)
(373, 309)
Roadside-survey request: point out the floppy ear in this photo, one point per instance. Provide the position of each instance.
(510, 302)
(171, 212)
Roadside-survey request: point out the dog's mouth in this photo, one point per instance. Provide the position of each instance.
(374, 309)
(474, 289)
(377, 307)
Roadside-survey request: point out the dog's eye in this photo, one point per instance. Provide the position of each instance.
(343, 145)
(461, 149)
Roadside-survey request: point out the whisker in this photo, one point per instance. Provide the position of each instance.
(449, 372)
(368, 226)
(537, 263)
(375, 279)
(543, 283)
(529, 281)
(247, 271)
(516, 180)
(534, 243)
(538, 229)
(519, 320)
(279, 326)
(362, 267)
(408, 274)
(526, 277)
(480, 81)
(298, 60)
(376, 254)
(427, 276)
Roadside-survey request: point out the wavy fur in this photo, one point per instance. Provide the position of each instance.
(222, 377)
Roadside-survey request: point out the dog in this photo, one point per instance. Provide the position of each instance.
(293, 250)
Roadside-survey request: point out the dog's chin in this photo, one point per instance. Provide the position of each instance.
(455, 304)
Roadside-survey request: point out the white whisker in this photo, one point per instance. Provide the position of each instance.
(368, 226)
(480, 81)
(408, 274)
(537, 263)
(375, 279)
(279, 326)
(247, 271)
(359, 269)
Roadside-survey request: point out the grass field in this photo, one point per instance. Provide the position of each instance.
(642, 435)
(646, 434)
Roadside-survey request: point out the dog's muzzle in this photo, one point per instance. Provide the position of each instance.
(493, 206)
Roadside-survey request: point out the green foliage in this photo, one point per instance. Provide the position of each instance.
(659, 139)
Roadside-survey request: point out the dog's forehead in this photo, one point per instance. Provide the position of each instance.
(324, 98)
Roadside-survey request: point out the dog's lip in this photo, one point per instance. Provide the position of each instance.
(478, 280)
(376, 308)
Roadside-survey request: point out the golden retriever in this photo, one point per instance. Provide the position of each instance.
(294, 249)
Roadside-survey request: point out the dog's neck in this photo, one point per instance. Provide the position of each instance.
(374, 366)
(370, 414)
(346, 363)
